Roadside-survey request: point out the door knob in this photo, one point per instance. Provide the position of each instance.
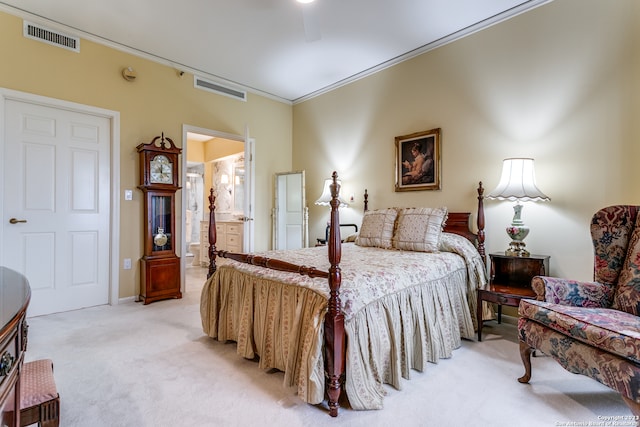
(15, 221)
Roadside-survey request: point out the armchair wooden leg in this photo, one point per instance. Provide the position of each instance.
(525, 354)
(633, 405)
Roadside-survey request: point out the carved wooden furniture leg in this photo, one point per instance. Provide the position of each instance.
(213, 235)
(525, 354)
(334, 319)
(633, 405)
(334, 330)
(479, 315)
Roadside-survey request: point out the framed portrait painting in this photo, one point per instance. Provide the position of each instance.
(418, 161)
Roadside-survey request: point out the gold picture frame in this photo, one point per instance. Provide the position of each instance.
(418, 161)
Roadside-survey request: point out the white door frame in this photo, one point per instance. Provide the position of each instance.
(249, 147)
(249, 201)
(114, 214)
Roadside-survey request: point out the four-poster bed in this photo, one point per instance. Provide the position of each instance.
(295, 323)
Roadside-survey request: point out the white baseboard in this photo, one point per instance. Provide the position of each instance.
(126, 300)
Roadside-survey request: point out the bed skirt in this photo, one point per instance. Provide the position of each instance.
(283, 325)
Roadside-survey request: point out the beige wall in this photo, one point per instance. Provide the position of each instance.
(559, 83)
(195, 151)
(158, 101)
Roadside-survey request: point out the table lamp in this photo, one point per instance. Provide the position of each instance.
(518, 183)
(325, 197)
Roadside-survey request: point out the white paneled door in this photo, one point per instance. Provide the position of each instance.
(56, 167)
(290, 214)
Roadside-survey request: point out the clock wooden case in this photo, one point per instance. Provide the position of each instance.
(160, 266)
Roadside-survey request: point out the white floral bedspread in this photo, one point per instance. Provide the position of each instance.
(402, 309)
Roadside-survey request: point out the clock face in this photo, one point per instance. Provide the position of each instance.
(161, 170)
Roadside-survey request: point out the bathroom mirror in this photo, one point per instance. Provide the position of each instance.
(238, 188)
(290, 212)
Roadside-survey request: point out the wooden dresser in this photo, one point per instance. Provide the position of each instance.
(15, 294)
(229, 238)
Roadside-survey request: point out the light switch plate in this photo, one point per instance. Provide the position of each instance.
(128, 194)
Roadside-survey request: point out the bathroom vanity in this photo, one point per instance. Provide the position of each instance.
(229, 238)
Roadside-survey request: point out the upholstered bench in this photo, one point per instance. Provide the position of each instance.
(39, 399)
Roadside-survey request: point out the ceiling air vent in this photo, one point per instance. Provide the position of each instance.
(53, 37)
(210, 86)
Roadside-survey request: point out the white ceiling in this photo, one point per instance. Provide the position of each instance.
(262, 45)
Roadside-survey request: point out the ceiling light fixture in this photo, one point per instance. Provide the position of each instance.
(305, 1)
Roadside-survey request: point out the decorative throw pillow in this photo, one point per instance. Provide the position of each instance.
(419, 229)
(627, 295)
(377, 228)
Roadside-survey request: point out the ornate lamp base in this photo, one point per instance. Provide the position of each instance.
(517, 231)
(517, 249)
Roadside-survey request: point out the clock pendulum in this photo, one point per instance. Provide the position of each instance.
(160, 239)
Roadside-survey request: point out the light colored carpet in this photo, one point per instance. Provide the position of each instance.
(132, 365)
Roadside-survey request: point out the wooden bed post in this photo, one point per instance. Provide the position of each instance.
(480, 223)
(212, 234)
(366, 200)
(334, 320)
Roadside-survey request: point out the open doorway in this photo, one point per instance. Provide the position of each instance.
(222, 162)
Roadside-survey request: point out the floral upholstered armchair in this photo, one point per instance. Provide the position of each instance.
(593, 328)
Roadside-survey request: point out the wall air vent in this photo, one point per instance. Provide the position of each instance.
(210, 86)
(53, 37)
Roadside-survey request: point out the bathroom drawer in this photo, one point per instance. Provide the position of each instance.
(233, 240)
(229, 236)
(234, 228)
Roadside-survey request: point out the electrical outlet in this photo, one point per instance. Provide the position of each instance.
(127, 263)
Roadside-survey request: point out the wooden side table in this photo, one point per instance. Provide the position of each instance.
(510, 281)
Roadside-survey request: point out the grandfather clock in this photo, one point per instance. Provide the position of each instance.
(160, 266)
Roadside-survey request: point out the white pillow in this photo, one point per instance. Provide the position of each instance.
(377, 228)
(419, 229)
(350, 238)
